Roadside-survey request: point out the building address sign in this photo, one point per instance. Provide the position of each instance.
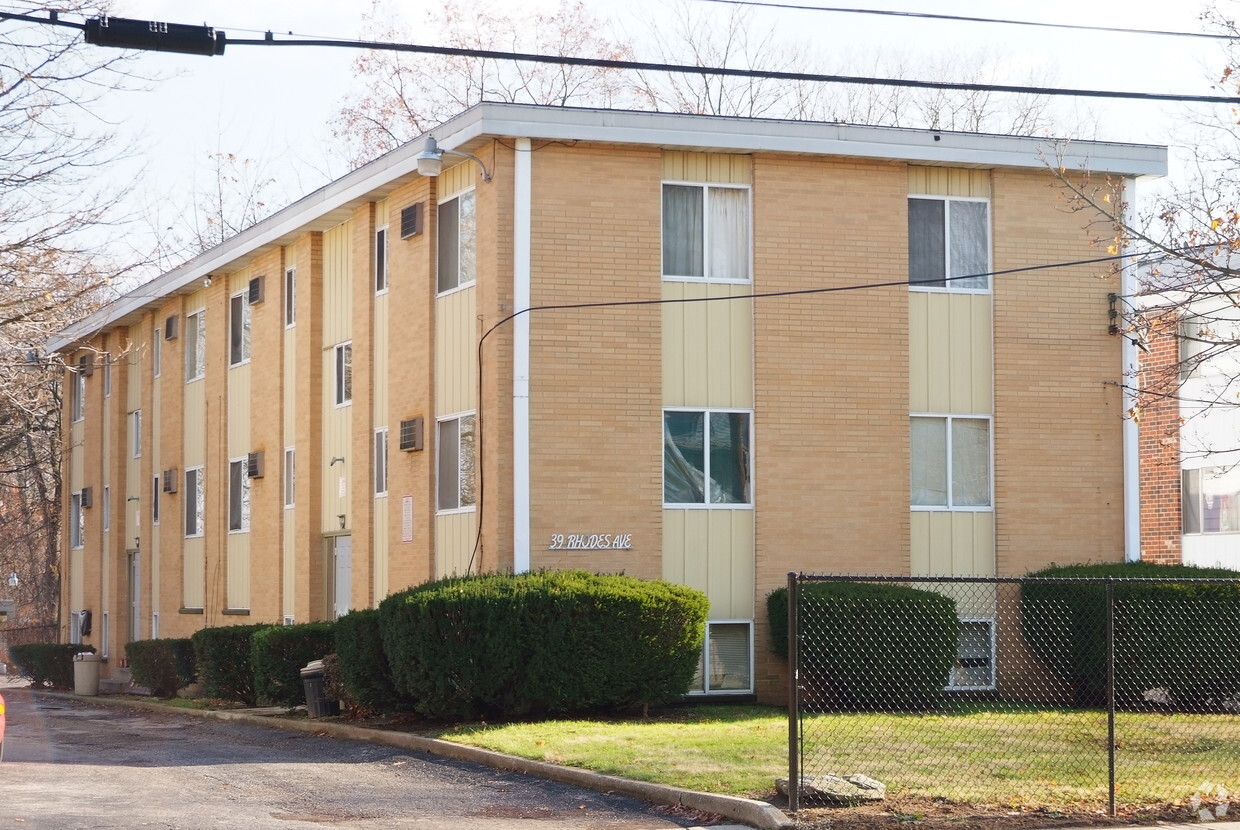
(591, 541)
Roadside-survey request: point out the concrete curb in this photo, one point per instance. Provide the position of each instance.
(754, 813)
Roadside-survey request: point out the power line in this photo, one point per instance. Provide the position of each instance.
(967, 19)
(647, 66)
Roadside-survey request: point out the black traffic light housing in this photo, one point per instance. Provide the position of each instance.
(154, 36)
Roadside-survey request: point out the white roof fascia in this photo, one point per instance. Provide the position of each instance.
(668, 130)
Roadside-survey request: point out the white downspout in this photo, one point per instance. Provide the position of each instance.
(522, 198)
(1128, 377)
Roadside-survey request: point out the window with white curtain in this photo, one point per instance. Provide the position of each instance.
(950, 461)
(706, 458)
(726, 662)
(706, 232)
(1210, 500)
(949, 243)
(457, 237)
(457, 461)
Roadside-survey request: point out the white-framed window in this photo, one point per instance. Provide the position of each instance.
(135, 433)
(157, 352)
(290, 297)
(975, 656)
(457, 463)
(195, 501)
(290, 476)
(706, 232)
(155, 492)
(726, 663)
(107, 508)
(949, 243)
(239, 329)
(154, 625)
(1210, 499)
(75, 627)
(77, 521)
(344, 374)
(238, 495)
(457, 230)
(107, 375)
(77, 395)
(706, 458)
(381, 461)
(195, 345)
(381, 263)
(104, 635)
(950, 463)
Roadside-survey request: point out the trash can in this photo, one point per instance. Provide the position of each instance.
(317, 706)
(85, 673)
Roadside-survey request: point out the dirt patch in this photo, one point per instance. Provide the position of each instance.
(925, 814)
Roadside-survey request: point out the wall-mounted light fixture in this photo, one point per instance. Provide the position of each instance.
(335, 459)
(430, 160)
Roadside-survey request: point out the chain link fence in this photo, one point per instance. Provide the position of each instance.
(1078, 694)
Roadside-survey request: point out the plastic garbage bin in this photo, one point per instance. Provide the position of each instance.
(85, 673)
(317, 706)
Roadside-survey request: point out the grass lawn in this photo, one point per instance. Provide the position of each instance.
(979, 753)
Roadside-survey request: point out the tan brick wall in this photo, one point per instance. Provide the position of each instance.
(1058, 409)
(1161, 518)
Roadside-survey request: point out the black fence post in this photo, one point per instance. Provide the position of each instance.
(1110, 696)
(794, 698)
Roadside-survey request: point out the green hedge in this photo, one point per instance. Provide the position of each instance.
(281, 652)
(542, 643)
(224, 657)
(870, 645)
(163, 666)
(1177, 637)
(47, 664)
(364, 670)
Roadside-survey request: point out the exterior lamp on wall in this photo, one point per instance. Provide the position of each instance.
(430, 160)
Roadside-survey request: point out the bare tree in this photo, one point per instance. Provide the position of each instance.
(56, 216)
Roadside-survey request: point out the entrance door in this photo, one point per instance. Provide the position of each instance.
(342, 553)
(133, 628)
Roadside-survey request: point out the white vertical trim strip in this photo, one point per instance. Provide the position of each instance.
(522, 207)
(1128, 377)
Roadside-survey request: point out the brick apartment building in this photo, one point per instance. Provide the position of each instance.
(708, 350)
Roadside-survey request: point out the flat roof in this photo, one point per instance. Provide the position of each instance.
(332, 204)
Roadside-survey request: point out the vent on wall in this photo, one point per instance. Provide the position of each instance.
(411, 434)
(256, 291)
(411, 220)
(87, 497)
(170, 328)
(86, 366)
(170, 480)
(254, 464)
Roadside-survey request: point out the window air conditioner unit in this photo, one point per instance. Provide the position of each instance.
(170, 328)
(86, 366)
(87, 497)
(256, 291)
(411, 434)
(170, 480)
(254, 464)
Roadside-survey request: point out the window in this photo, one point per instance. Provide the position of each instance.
(381, 461)
(726, 662)
(706, 458)
(107, 375)
(975, 656)
(344, 374)
(290, 297)
(107, 508)
(950, 462)
(457, 242)
(238, 329)
(157, 352)
(195, 346)
(77, 522)
(1210, 500)
(155, 488)
(135, 433)
(456, 463)
(1198, 337)
(949, 243)
(195, 501)
(290, 476)
(238, 495)
(706, 230)
(381, 260)
(77, 395)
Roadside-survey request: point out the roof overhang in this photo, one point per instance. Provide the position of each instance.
(333, 204)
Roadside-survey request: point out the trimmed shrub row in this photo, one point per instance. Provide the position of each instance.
(872, 645)
(162, 665)
(225, 661)
(48, 665)
(278, 655)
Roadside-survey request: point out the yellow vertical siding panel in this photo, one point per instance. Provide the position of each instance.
(238, 570)
(951, 367)
(707, 347)
(719, 168)
(712, 551)
(77, 579)
(380, 355)
(919, 352)
(982, 349)
(963, 544)
(940, 544)
(454, 543)
(380, 541)
(962, 364)
(456, 355)
(194, 419)
(739, 569)
(288, 539)
(381, 216)
(289, 561)
(192, 555)
(673, 329)
(938, 357)
(949, 181)
(77, 460)
(239, 405)
(337, 420)
(457, 178)
(919, 543)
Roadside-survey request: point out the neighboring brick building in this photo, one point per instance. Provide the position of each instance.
(746, 339)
